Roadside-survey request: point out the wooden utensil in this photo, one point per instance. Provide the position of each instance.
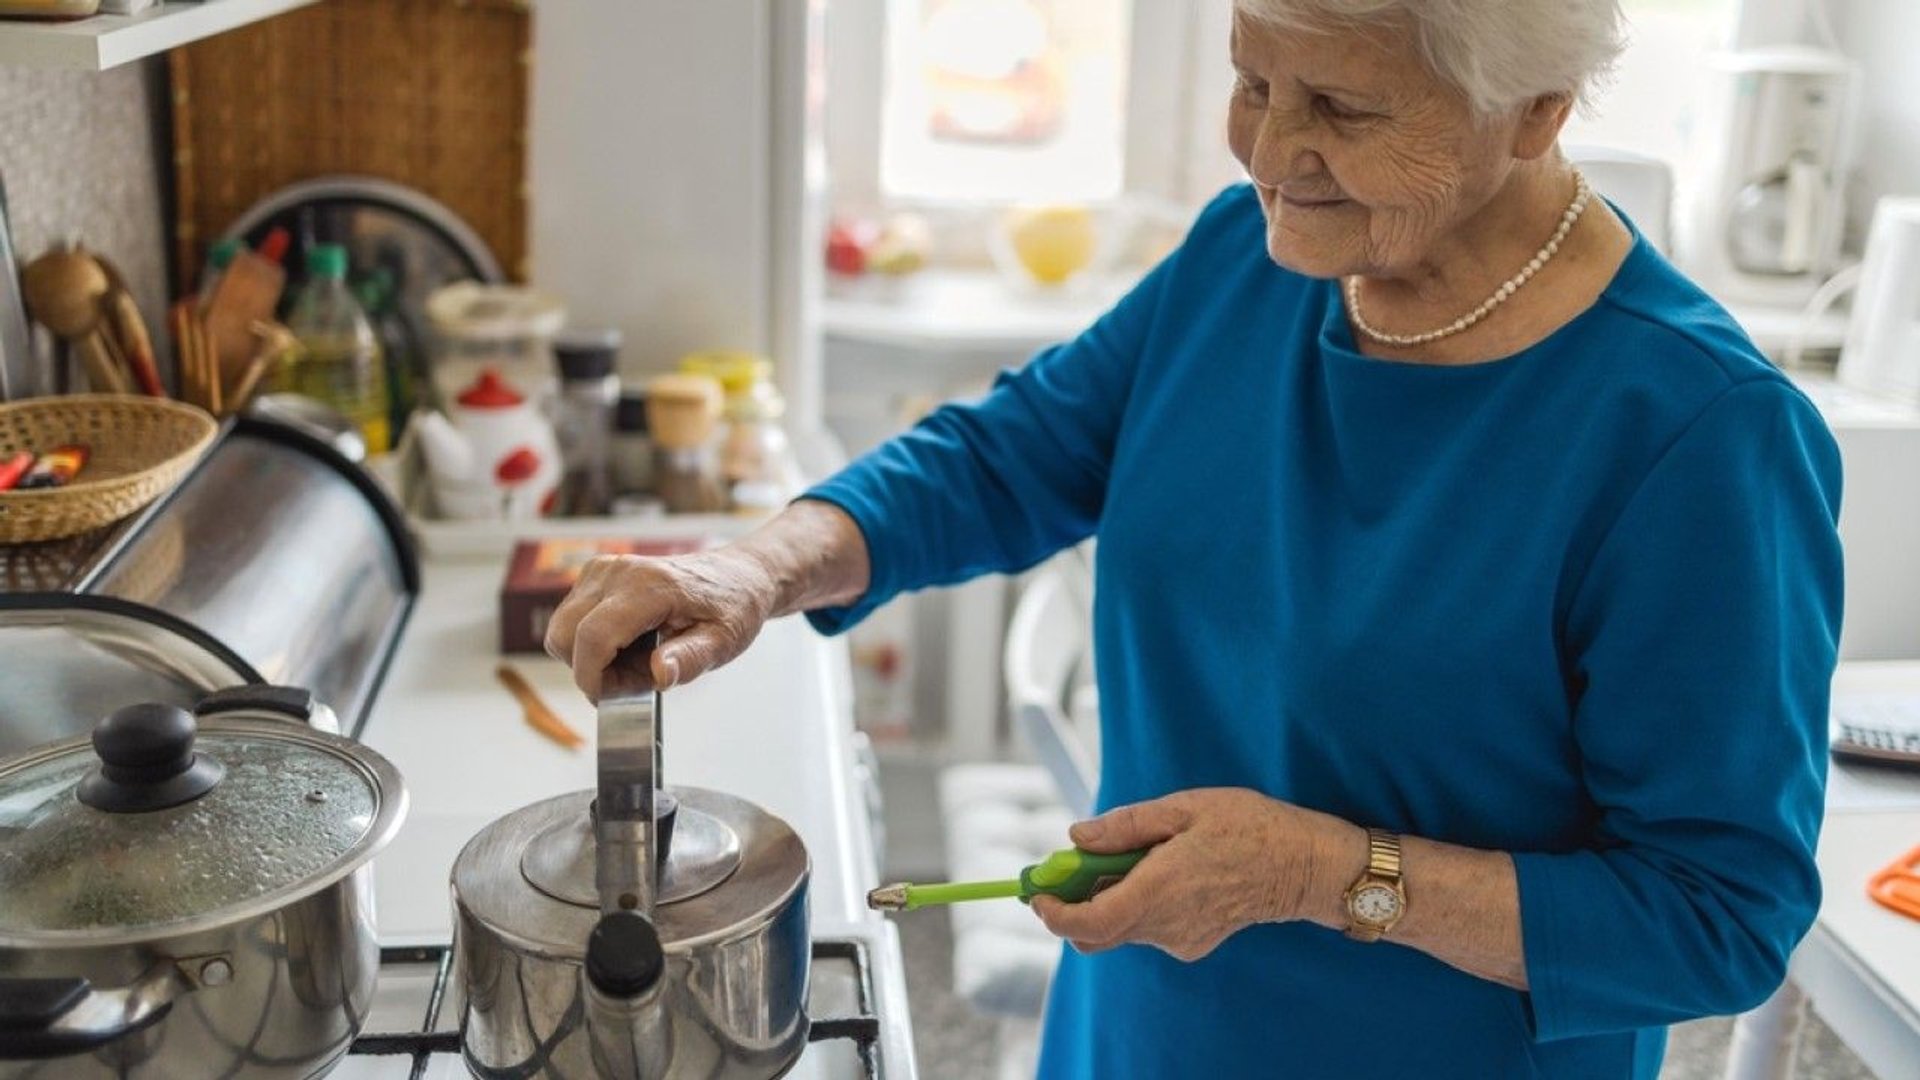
(247, 293)
(129, 331)
(273, 342)
(539, 716)
(63, 290)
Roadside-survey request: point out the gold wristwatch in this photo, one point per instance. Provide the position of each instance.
(1378, 899)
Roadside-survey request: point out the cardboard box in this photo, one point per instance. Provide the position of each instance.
(541, 573)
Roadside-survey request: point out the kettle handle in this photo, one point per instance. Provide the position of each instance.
(625, 871)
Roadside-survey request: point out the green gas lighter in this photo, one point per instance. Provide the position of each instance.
(1072, 875)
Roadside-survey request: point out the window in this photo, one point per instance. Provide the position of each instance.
(953, 104)
(1004, 99)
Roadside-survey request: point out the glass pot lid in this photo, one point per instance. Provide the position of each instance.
(157, 823)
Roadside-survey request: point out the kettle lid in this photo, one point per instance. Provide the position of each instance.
(698, 852)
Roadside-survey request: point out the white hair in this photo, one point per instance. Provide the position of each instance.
(1499, 53)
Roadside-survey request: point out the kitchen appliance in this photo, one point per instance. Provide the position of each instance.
(1884, 731)
(633, 931)
(274, 561)
(1882, 350)
(190, 898)
(1764, 214)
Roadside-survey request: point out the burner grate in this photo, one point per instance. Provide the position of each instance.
(414, 1031)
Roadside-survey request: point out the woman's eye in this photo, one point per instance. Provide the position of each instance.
(1251, 89)
(1334, 109)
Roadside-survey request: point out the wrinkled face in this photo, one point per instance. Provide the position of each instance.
(1363, 158)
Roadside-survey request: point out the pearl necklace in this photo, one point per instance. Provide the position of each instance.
(1582, 194)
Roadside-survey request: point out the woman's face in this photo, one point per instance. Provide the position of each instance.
(1362, 157)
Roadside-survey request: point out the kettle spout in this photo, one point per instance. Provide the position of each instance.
(623, 982)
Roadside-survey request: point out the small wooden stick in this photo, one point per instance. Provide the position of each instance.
(182, 358)
(210, 363)
(250, 379)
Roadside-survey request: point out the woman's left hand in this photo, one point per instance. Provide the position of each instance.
(1223, 859)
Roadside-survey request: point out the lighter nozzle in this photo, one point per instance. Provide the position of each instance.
(888, 898)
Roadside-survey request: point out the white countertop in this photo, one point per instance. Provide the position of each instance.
(774, 727)
(1861, 963)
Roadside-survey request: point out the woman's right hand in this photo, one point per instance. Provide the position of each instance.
(707, 606)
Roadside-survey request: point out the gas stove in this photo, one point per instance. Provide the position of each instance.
(857, 1000)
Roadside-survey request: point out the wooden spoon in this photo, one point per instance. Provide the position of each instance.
(63, 291)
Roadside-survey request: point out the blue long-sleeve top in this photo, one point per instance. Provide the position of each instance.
(1580, 604)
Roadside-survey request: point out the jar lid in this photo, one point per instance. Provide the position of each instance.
(586, 354)
(161, 826)
(630, 413)
(470, 311)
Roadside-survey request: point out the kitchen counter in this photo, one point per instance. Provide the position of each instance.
(774, 727)
(1859, 967)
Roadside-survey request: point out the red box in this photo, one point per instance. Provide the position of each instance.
(541, 573)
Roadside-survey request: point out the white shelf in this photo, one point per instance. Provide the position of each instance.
(106, 41)
(958, 310)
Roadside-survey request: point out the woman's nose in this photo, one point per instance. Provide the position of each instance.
(1282, 149)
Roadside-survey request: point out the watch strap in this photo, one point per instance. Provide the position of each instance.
(1383, 855)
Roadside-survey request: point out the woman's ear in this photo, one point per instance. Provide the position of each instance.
(1540, 124)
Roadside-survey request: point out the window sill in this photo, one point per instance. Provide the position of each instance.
(948, 310)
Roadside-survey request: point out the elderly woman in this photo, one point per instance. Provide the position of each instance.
(1468, 587)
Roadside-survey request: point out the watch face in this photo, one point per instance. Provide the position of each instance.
(1375, 904)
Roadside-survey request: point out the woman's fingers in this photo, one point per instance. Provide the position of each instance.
(613, 624)
(1100, 923)
(697, 650)
(709, 608)
(1139, 825)
(581, 599)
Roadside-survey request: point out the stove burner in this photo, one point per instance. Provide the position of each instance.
(842, 988)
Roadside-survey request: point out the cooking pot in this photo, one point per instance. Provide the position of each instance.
(190, 897)
(632, 931)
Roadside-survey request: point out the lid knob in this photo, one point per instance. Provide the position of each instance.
(147, 761)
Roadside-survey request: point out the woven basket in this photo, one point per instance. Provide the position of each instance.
(139, 447)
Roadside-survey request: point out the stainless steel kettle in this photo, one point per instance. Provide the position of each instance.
(632, 931)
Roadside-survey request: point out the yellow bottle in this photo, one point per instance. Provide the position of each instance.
(339, 361)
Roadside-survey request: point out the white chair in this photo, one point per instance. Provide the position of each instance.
(999, 817)
(1048, 665)
(1640, 185)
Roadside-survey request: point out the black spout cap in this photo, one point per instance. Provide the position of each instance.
(624, 957)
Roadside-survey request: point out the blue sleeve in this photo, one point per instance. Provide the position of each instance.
(1002, 483)
(1700, 649)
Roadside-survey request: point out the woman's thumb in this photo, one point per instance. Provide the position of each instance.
(1125, 828)
(692, 653)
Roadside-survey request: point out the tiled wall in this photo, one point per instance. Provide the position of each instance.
(82, 156)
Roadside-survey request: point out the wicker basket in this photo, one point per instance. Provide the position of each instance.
(138, 448)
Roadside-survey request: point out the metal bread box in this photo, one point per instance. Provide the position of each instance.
(276, 561)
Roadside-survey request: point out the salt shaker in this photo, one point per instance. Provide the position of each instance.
(682, 410)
